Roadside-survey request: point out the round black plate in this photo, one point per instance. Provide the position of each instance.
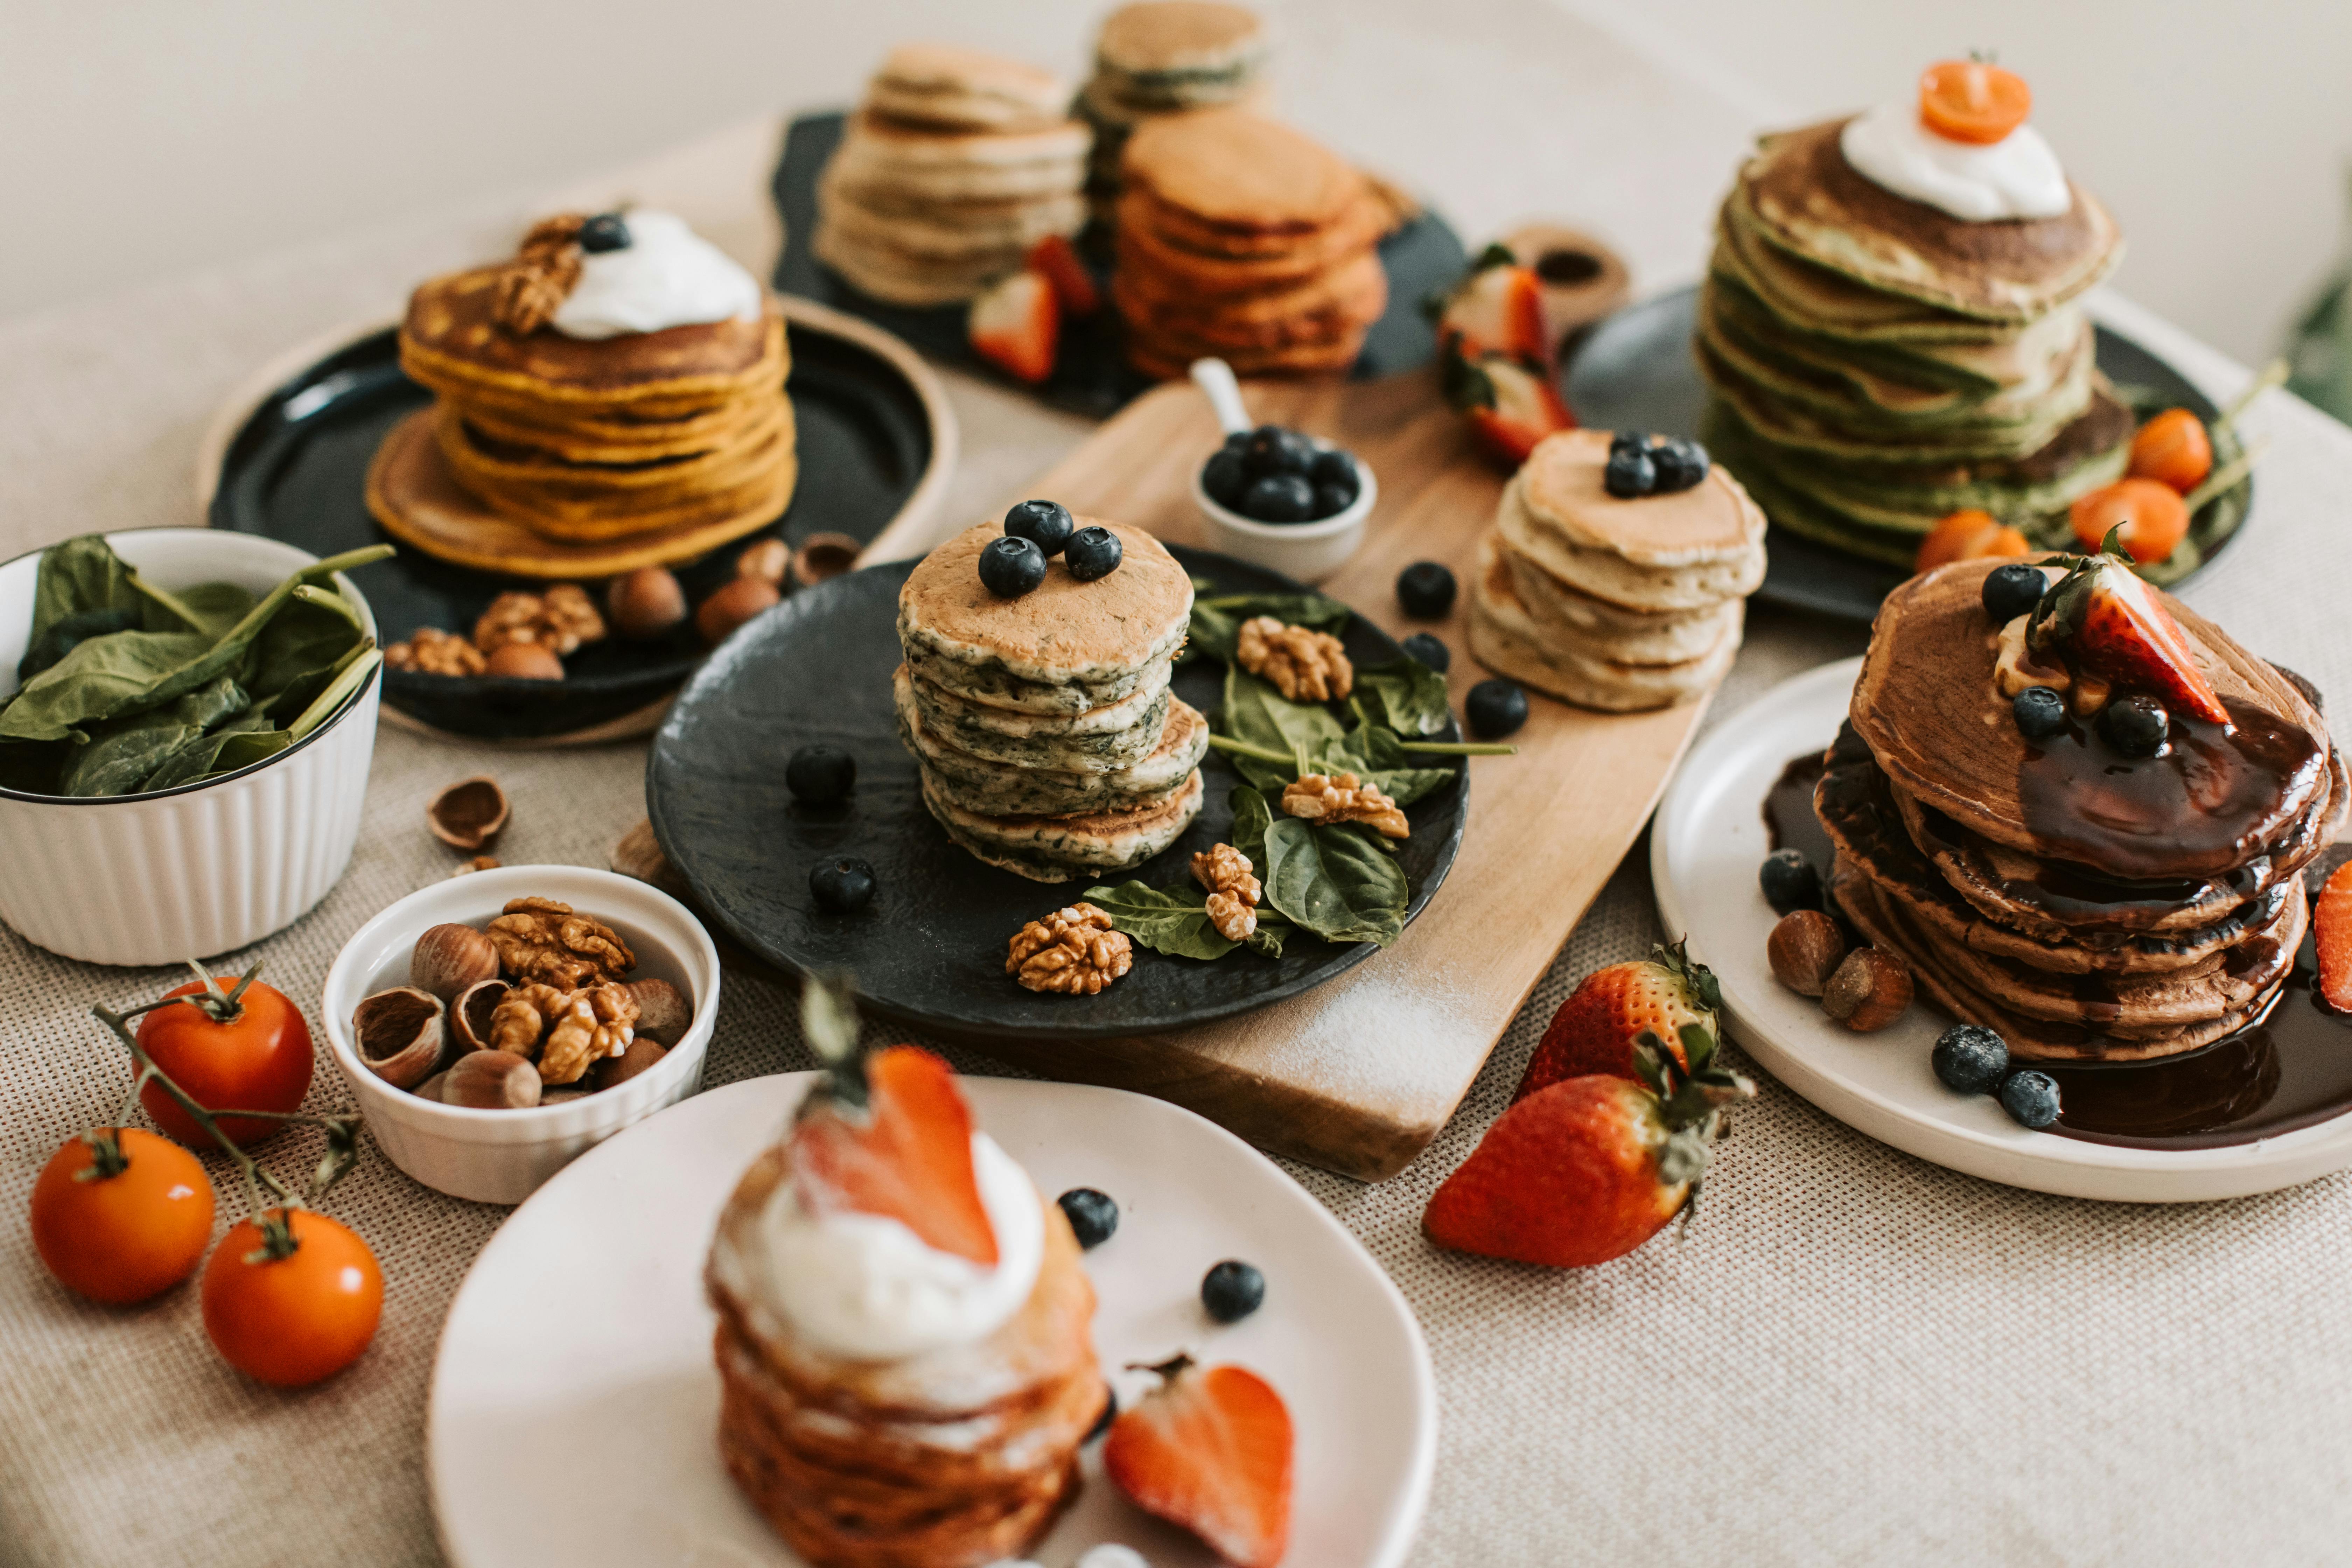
(929, 950)
(297, 471)
(1090, 376)
(1635, 371)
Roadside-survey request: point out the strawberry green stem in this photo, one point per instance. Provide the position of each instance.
(2222, 478)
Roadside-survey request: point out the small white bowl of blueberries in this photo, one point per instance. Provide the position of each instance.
(1275, 497)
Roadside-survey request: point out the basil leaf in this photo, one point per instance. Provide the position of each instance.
(1256, 713)
(1333, 883)
(68, 632)
(1171, 921)
(1216, 622)
(1267, 939)
(79, 576)
(1252, 814)
(1411, 695)
(1372, 753)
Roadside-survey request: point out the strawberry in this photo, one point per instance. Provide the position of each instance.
(1497, 309)
(2115, 626)
(1589, 1168)
(1056, 259)
(1510, 403)
(2331, 932)
(1595, 1028)
(1016, 325)
(890, 1134)
(1209, 1450)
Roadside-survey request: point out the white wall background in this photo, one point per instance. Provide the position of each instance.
(146, 138)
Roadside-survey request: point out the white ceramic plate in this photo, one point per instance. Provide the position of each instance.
(1704, 853)
(574, 1409)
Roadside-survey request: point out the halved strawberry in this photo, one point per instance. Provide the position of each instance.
(1056, 260)
(1595, 1029)
(1510, 404)
(2113, 624)
(2331, 933)
(905, 1154)
(1497, 310)
(1016, 325)
(1209, 1449)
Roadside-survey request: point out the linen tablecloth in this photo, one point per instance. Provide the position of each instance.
(1854, 1357)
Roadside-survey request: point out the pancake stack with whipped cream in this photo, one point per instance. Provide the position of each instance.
(1620, 604)
(956, 163)
(2109, 872)
(1891, 327)
(1044, 727)
(1165, 56)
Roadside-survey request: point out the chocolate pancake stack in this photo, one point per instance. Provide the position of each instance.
(1877, 362)
(2089, 905)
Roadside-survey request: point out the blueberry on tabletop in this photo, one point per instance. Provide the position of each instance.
(2030, 1097)
(842, 886)
(2040, 712)
(821, 774)
(1680, 465)
(1225, 479)
(2012, 590)
(2136, 726)
(605, 231)
(1790, 881)
(1631, 474)
(1969, 1058)
(1331, 500)
(1093, 1215)
(1428, 650)
(1495, 709)
(1233, 1291)
(1334, 466)
(1271, 451)
(1046, 523)
(1278, 497)
(1425, 590)
(1009, 565)
(1092, 552)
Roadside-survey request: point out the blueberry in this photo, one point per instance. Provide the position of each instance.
(1092, 552)
(605, 231)
(1630, 475)
(2136, 726)
(1109, 1414)
(1046, 523)
(1235, 440)
(1629, 441)
(1970, 1060)
(1271, 451)
(1425, 589)
(2040, 712)
(1495, 709)
(1331, 500)
(1680, 465)
(2012, 590)
(1225, 480)
(842, 886)
(1334, 466)
(1010, 566)
(1428, 650)
(1092, 1215)
(2030, 1097)
(1279, 497)
(1233, 1291)
(1790, 881)
(821, 774)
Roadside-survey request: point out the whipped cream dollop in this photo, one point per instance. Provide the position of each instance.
(865, 1287)
(2015, 177)
(667, 275)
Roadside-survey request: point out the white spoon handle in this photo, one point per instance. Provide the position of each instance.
(1215, 377)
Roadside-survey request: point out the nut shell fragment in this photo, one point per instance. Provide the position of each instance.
(471, 1014)
(398, 1033)
(469, 814)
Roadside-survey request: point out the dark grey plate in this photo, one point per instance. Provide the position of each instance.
(1635, 371)
(929, 950)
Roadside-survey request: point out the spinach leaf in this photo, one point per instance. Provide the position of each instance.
(1412, 696)
(314, 630)
(1171, 921)
(1252, 816)
(322, 707)
(1256, 713)
(77, 576)
(197, 757)
(211, 608)
(1333, 883)
(1216, 622)
(116, 760)
(247, 747)
(102, 678)
(68, 632)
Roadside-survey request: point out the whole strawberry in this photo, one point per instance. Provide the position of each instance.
(1595, 1028)
(1209, 1449)
(1588, 1168)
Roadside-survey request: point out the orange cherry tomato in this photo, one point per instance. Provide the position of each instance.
(1968, 100)
(122, 1238)
(292, 1321)
(1967, 535)
(2173, 450)
(260, 1060)
(2154, 518)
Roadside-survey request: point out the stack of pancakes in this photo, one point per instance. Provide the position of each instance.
(955, 166)
(1048, 741)
(1241, 238)
(1165, 56)
(1620, 604)
(955, 1456)
(1878, 363)
(2088, 906)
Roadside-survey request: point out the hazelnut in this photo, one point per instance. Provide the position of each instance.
(449, 958)
(526, 661)
(491, 1080)
(767, 559)
(1868, 991)
(662, 1011)
(563, 1094)
(733, 605)
(642, 1056)
(1804, 949)
(469, 814)
(469, 1014)
(399, 1035)
(431, 1087)
(823, 556)
(647, 603)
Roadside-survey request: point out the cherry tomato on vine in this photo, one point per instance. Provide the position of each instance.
(295, 1319)
(125, 1236)
(2173, 448)
(257, 1057)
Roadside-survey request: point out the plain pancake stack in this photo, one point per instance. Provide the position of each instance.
(955, 166)
(1878, 363)
(1165, 56)
(2085, 905)
(1241, 238)
(1618, 605)
(1043, 728)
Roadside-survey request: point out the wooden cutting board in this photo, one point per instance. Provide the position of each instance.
(1359, 1075)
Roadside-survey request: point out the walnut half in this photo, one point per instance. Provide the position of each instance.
(565, 1033)
(559, 620)
(542, 940)
(1233, 890)
(429, 650)
(1073, 950)
(1344, 797)
(1302, 663)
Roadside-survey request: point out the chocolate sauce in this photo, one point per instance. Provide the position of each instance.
(1788, 819)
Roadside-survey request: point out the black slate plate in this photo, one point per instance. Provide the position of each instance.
(297, 471)
(1089, 377)
(1635, 371)
(929, 950)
